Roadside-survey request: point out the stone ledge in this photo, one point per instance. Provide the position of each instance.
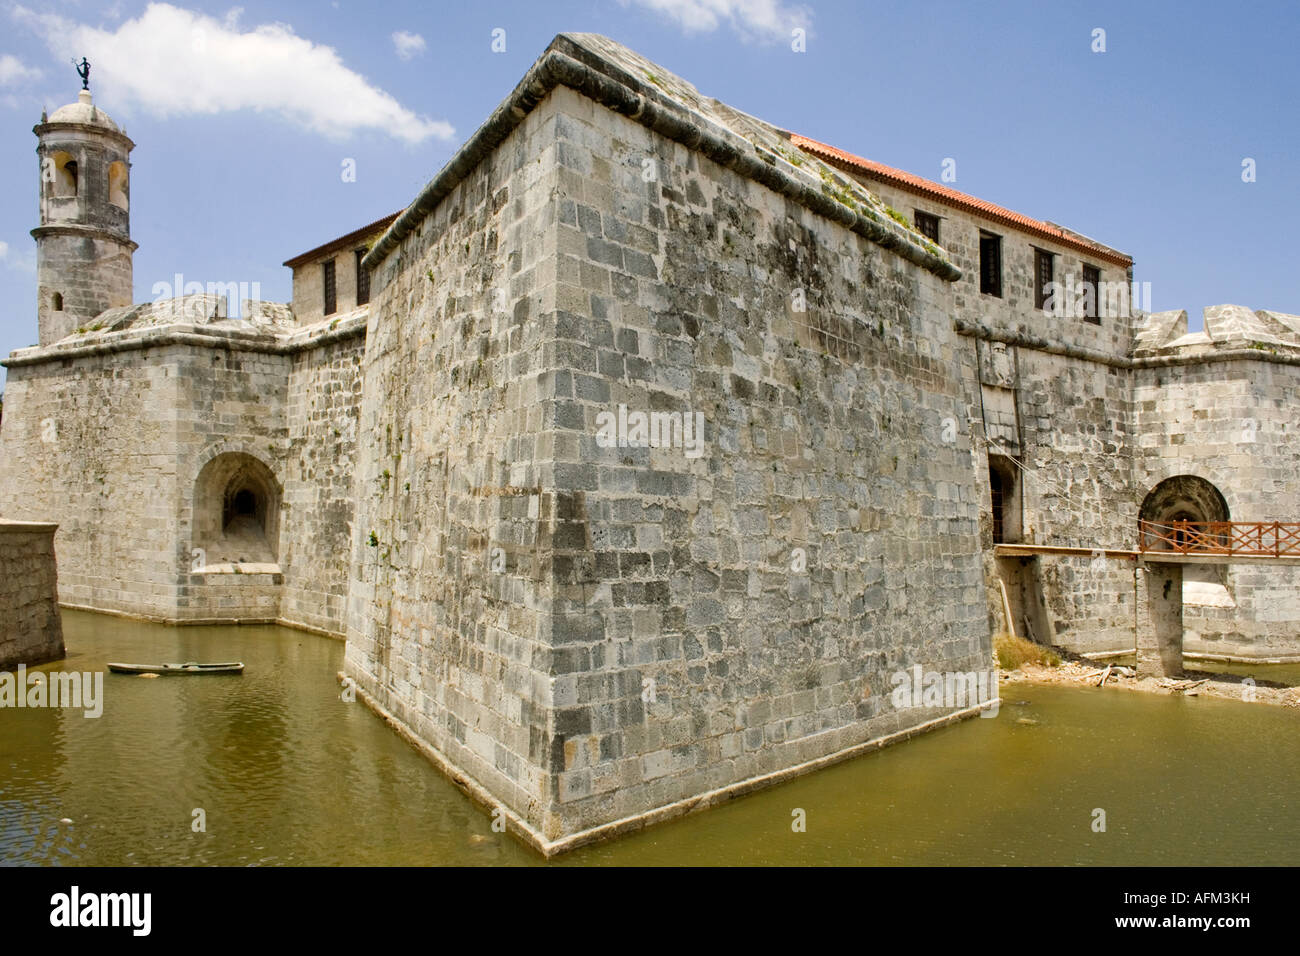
(8, 526)
(238, 567)
(134, 340)
(979, 330)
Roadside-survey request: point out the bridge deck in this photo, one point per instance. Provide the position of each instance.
(1144, 557)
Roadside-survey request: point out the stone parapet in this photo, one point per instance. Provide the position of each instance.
(31, 631)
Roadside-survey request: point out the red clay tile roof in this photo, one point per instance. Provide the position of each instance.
(342, 242)
(952, 197)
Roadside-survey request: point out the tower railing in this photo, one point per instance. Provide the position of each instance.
(1274, 539)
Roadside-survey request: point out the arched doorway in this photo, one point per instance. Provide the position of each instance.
(1180, 498)
(236, 511)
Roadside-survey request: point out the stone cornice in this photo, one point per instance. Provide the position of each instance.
(45, 129)
(568, 63)
(197, 336)
(11, 526)
(84, 231)
(1036, 343)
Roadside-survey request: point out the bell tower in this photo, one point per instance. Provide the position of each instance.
(83, 244)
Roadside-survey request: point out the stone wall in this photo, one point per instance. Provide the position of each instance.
(323, 408)
(309, 286)
(1015, 309)
(230, 402)
(31, 631)
(1233, 424)
(137, 450)
(592, 634)
(454, 524)
(825, 538)
(90, 443)
(1062, 423)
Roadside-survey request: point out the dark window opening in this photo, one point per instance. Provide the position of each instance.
(57, 302)
(1043, 273)
(1004, 490)
(1091, 289)
(991, 264)
(363, 279)
(999, 495)
(331, 303)
(927, 225)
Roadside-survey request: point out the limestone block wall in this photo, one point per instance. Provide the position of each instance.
(1077, 444)
(1233, 424)
(309, 286)
(450, 575)
(90, 274)
(322, 411)
(722, 617)
(1062, 429)
(90, 444)
(112, 443)
(1066, 419)
(589, 632)
(959, 234)
(31, 631)
(229, 412)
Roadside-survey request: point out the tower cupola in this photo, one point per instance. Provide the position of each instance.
(83, 244)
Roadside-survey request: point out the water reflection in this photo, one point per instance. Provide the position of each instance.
(289, 774)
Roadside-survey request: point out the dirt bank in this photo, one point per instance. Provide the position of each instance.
(1193, 684)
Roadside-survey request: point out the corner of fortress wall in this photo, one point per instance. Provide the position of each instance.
(593, 634)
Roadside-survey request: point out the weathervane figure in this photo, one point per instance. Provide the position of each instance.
(83, 71)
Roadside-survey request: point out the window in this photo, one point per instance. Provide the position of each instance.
(330, 300)
(1091, 289)
(363, 279)
(62, 175)
(1042, 277)
(991, 264)
(117, 184)
(57, 302)
(927, 225)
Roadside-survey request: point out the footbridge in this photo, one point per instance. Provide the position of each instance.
(1163, 550)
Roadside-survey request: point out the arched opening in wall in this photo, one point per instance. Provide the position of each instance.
(117, 185)
(63, 175)
(1004, 490)
(1182, 498)
(236, 511)
(56, 302)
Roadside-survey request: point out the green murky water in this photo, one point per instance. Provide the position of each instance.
(289, 774)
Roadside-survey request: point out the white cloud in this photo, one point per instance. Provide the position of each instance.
(407, 45)
(13, 70)
(174, 62)
(4, 249)
(752, 19)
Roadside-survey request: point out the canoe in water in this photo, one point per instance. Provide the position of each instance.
(189, 667)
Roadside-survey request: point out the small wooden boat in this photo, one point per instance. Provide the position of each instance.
(189, 667)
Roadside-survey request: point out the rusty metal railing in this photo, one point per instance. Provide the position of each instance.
(1274, 539)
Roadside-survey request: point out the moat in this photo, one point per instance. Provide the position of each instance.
(289, 774)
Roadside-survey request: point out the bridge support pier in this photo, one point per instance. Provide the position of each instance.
(1159, 623)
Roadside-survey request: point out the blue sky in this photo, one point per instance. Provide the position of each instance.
(243, 117)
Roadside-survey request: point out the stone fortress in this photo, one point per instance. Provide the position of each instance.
(911, 441)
